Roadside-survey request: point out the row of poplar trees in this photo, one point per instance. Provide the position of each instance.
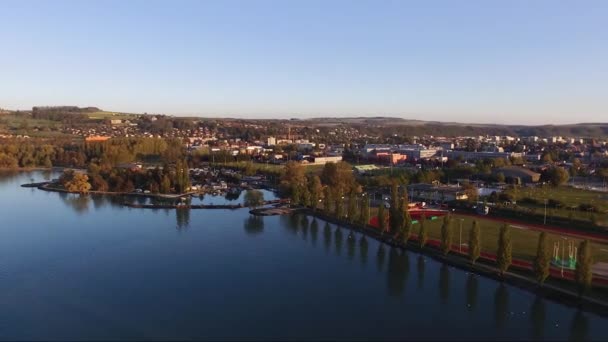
(542, 262)
(334, 194)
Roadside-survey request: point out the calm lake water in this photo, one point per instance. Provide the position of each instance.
(85, 268)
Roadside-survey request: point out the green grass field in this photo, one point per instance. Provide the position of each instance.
(524, 240)
(571, 199)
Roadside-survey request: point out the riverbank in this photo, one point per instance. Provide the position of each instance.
(520, 273)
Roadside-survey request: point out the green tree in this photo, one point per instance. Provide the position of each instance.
(446, 235)
(327, 200)
(253, 198)
(294, 177)
(352, 207)
(406, 219)
(474, 242)
(364, 211)
(305, 197)
(500, 177)
(583, 274)
(339, 206)
(394, 217)
(558, 176)
(503, 254)
(182, 178)
(165, 185)
(422, 233)
(542, 260)
(382, 218)
(339, 176)
(316, 190)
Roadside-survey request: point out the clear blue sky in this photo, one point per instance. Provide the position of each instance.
(470, 61)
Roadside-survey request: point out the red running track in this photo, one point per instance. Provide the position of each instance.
(551, 229)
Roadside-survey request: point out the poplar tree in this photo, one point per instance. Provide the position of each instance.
(422, 234)
(474, 243)
(316, 189)
(394, 218)
(503, 254)
(582, 273)
(339, 206)
(542, 261)
(406, 219)
(352, 207)
(327, 200)
(364, 213)
(382, 217)
(446, 235)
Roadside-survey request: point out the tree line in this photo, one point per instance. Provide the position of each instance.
(337, 188)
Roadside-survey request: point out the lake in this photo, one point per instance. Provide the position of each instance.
(74, 268)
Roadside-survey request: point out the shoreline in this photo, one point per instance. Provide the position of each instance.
(517, 275)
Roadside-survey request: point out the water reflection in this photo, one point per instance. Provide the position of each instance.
(420, 267)
(304, 226)
(538, 317)
(140, 200)
(314, 231)
(471, 293)
(79, 203)
(444, 284)
(338, 240)
(380, 256)
(182, 216)
(47, 175)
(291, 222)
(99, 201)
(7, 176)
(327, 236)
(254, 225)
(398, 271)
(351, 243)
(231, 196)
(501, 305)
(363, 248)
(579, 329)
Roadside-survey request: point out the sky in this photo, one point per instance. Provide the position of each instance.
(513, 62)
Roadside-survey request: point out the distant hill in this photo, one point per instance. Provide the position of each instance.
(438, 128)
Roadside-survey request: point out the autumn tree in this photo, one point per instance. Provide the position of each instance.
(78, 182)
